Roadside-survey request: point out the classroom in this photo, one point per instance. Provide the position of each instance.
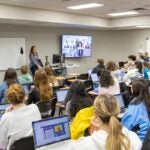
(74, 74)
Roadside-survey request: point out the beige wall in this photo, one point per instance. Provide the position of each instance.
(110, 45)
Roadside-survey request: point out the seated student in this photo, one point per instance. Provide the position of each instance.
(77, 99)
(136, 117)
(145, 70)
(25, 78)
(9, 79)
(130, 62)
(107, 132)
(113, 68)
(52, 79)
(100, 67)
(16, 123)
(109, 85)
(42, 90)
(134, 72)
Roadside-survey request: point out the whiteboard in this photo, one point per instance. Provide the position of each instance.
(10, 53)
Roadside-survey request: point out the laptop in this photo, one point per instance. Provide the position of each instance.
(89, 72)
(119, 97)
(61, 95)
(50, 131)
(94, 77)
(3, 108)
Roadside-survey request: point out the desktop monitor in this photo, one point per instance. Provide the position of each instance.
(58, 58)
(50, 131)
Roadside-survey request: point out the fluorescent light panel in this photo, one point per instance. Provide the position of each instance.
(148, 26)
(124, 13)
(84, 6)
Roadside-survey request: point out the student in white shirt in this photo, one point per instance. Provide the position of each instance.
(108, 133)
(134, 72)
(16, 123)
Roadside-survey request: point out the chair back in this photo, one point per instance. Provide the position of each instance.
(45, 108)
(26, 143)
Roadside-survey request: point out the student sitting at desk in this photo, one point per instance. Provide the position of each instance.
(131, 62)
(137, 115)
(145, 70)
(107, 132)
(25, 78)
(77, 99)
(108, 84)
(100, 67)
(52, 79)
(9, 79)
(136, 71)
(16, 123)
(42, 90)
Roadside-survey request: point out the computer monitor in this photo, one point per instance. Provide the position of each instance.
(58, 58)
(49, 131)
(120, 99)
(3, 108)
(94, 77)
(61, 95)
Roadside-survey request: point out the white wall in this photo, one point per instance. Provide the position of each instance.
(110, 45)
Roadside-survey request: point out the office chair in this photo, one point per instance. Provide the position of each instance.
(45, 108)
(26, 143)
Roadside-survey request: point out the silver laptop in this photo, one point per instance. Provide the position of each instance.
(61, 95)
(94, 77)
(3, 108)
(120, 99)
(50, 131)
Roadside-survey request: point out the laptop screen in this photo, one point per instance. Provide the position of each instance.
(89, 72)
(50, 131)
(94, 77)
(3, 108)
(119, 97)
(61, 95)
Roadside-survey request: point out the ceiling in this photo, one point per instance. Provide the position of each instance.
(110, 6)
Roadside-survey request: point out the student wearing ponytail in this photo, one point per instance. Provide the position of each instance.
(107, 132)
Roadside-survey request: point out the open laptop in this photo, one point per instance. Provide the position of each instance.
(89, 72)
(94, 77)
(50, 131)
(61, 95)
(3, 108)
(120, 98)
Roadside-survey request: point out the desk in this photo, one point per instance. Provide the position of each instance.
(60, 78)
(73, 80)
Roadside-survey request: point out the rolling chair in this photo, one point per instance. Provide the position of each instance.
(46, 108)
(26, 143)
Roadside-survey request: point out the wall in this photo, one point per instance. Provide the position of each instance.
(110, 45)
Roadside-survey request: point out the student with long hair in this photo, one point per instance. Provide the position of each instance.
(42, 90)
(51, 77)
(109, 84)
(16, 123)
(35, 62)
(77, 98)
(107, 132)
(137, 116)
(10, 78)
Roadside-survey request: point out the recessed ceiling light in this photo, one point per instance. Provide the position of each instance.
(146, 26)
(84, 6)
(127, 13)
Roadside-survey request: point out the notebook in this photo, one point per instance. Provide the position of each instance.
(61, 95)
(119, 97)
(94, 77)
(3, 108)
(50, 131)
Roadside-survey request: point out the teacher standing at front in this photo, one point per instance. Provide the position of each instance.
(35, 62)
